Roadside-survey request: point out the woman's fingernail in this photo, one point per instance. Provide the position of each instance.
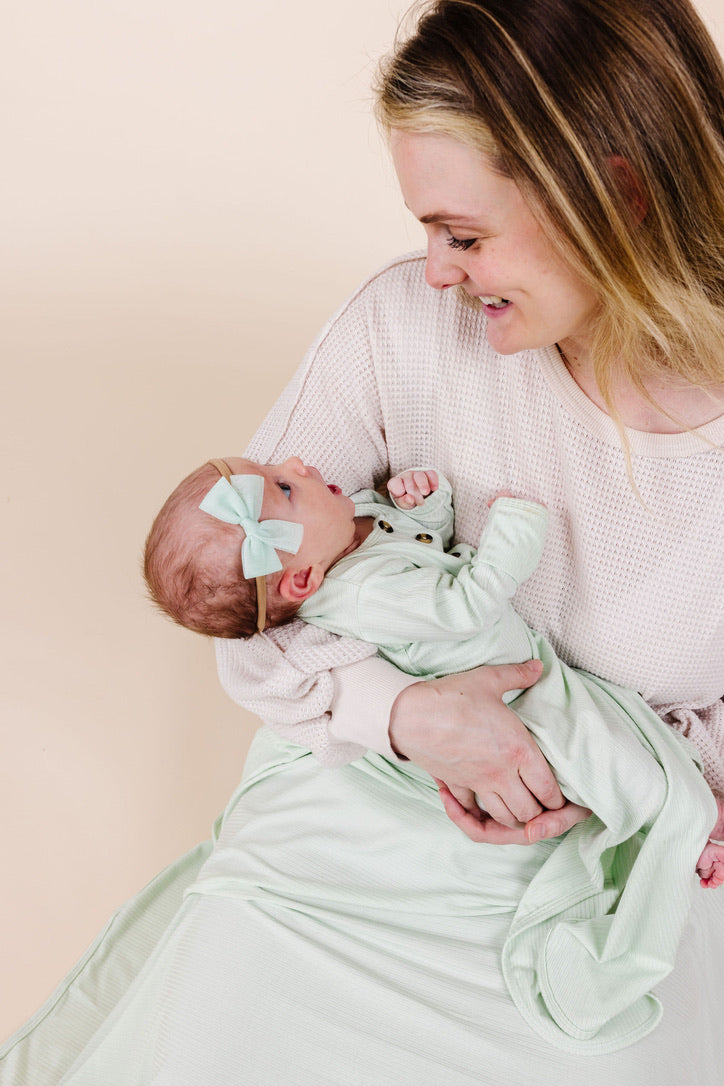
(536, 833)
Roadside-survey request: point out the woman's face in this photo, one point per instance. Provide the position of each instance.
(483, 237)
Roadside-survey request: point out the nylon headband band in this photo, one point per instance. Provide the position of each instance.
(223, 469)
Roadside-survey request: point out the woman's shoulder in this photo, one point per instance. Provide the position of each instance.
(393, 290)
(407, 270)
(396, 308)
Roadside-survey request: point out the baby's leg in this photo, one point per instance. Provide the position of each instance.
(710, 865)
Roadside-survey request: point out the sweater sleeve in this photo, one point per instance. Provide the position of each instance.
(329, 414)
(319, 691)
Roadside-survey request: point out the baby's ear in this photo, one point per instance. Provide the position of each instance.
(297, 585)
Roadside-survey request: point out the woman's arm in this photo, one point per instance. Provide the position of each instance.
(286, 678)
(332, 415)
(467, 741)
(458, 729)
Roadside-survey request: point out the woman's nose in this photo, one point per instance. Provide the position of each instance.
(442, 267)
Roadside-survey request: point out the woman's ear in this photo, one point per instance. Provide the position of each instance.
(297, 585)
(630, 186)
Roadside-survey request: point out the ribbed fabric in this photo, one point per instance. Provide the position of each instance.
(432, 612)
(41, 1051)
(600, 923)
(344, 930)
(632, 591)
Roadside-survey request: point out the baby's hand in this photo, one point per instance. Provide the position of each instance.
(412, 487)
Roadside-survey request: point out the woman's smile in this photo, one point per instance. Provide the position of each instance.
(483, 238)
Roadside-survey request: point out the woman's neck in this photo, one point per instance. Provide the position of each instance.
(678, 405)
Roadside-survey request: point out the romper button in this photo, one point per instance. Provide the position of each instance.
(385, 526)
(423, 537)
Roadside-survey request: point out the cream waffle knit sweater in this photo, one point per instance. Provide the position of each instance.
(630, 590)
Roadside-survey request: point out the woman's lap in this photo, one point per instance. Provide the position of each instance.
(343, 931)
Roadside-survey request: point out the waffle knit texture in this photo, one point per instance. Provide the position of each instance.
(629, 588)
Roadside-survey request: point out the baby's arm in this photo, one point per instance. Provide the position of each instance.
(419, 600)
(512, 540)
(511, 544)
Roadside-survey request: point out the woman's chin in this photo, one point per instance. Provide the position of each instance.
(507, 339)
(506, 344)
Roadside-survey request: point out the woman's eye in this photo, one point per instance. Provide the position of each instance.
(285, 489)
(460, 243)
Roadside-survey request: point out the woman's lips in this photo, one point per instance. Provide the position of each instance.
(493, 304)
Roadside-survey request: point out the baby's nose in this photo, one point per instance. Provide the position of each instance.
(295, 464)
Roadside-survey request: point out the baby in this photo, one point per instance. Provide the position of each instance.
(239, 547)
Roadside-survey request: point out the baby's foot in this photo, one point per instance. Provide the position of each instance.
(710, 866)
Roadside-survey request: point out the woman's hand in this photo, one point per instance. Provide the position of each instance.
(458, 729)
(479, 826)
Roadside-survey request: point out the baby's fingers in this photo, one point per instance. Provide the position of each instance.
(412, 487)
(424, 482)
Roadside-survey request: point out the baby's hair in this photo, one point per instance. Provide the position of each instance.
(192, 567)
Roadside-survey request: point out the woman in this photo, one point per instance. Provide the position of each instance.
(566, 161)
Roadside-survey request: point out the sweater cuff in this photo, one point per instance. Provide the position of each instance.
(362, 700)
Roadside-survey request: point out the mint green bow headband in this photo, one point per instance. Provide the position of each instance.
(237, 500)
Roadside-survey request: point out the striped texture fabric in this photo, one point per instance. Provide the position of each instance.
(342, 930)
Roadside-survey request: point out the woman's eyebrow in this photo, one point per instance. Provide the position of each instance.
(443, 216)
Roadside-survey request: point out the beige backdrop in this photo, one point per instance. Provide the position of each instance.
(188, 192)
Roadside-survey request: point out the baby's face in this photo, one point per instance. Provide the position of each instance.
(297, 492)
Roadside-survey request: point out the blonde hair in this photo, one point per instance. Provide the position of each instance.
(192, 567)
(609, 115)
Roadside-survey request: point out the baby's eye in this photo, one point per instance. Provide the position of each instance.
(460, 243)
(285, 489)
